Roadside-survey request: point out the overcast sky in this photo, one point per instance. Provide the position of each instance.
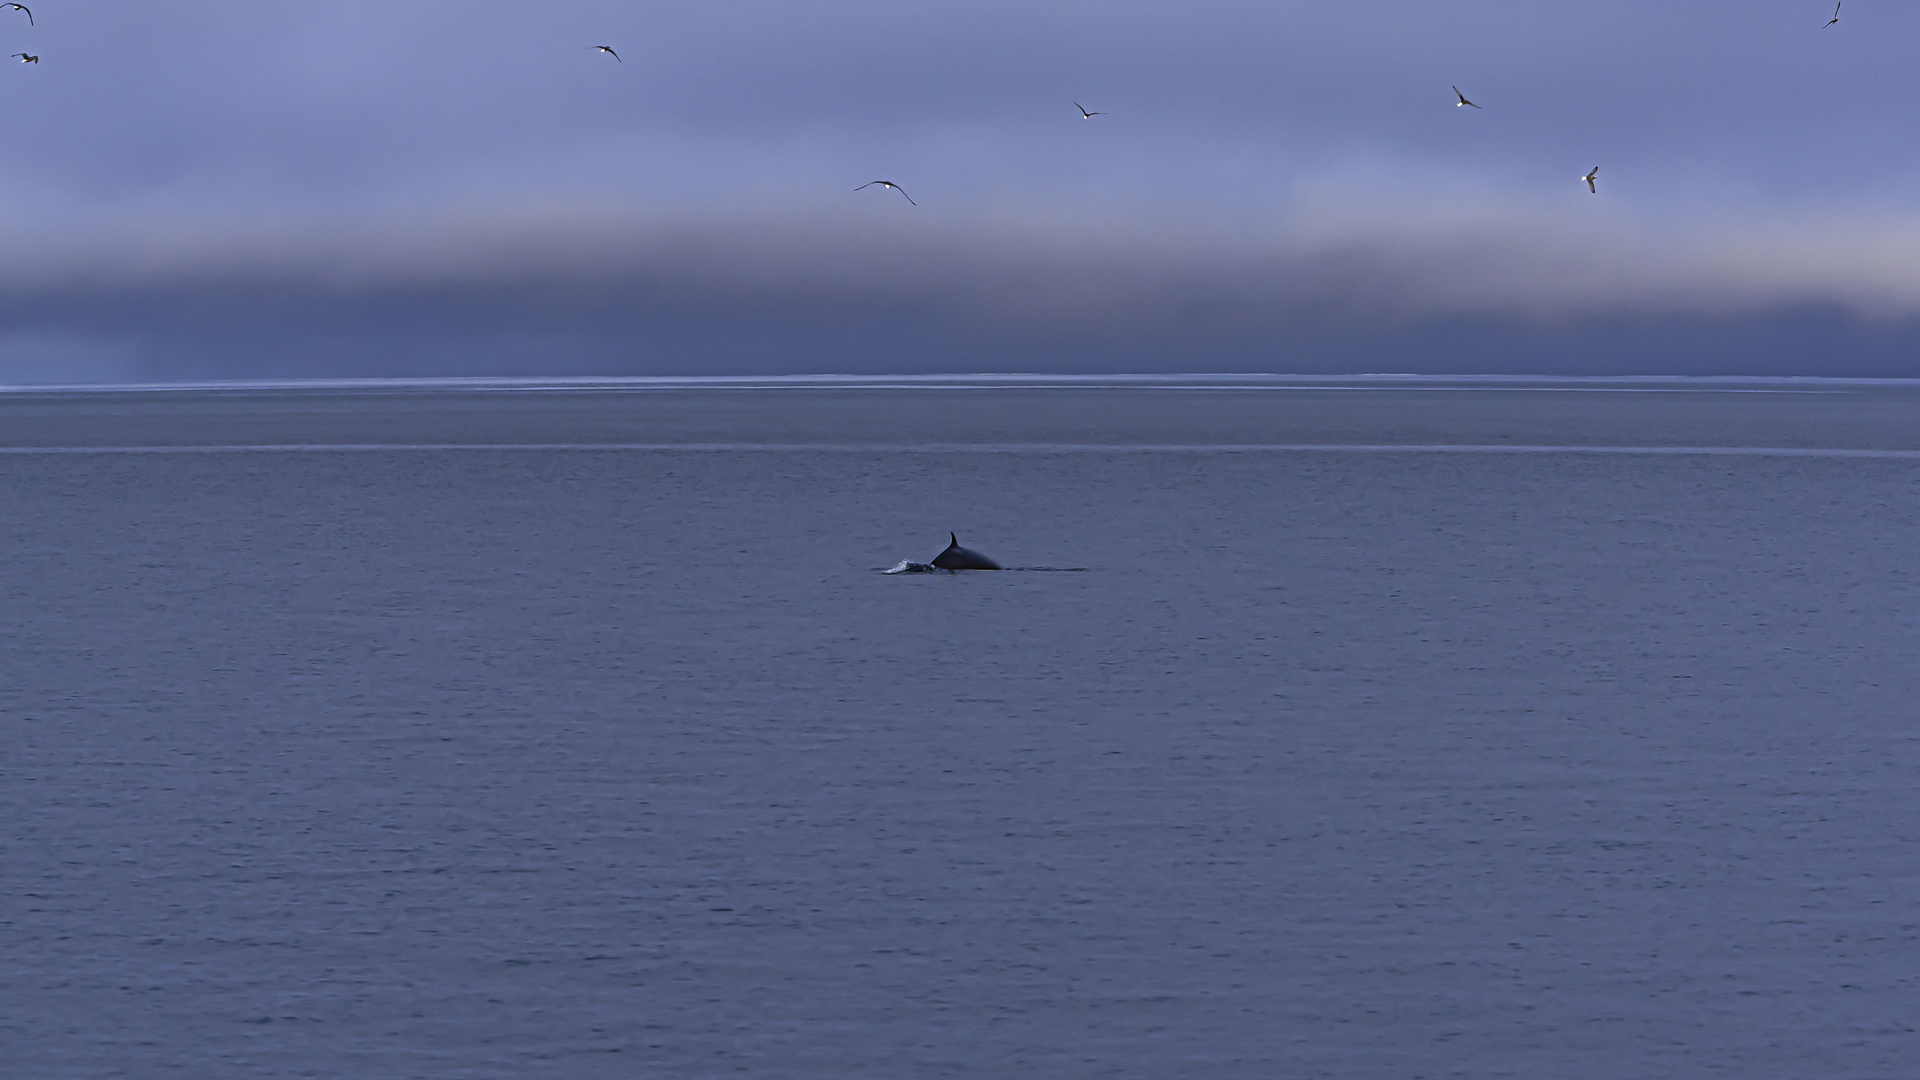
(252, 188)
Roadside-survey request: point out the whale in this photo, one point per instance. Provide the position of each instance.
(959, 558)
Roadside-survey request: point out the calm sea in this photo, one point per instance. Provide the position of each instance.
(1390, 728)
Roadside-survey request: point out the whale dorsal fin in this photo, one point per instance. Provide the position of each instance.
(959, 558)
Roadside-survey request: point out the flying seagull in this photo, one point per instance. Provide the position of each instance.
(888, 184)
(1463, 98)
(21, 7)
(1836, 16)
(25, 59)
(1590, 177)
(608, 49)
(1084, 114)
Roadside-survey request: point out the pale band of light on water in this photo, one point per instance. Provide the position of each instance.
(981, 448)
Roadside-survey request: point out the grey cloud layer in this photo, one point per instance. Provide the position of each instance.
(240, 188)
(850, 295)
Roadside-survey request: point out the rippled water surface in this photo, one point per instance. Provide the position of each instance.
(577, 732)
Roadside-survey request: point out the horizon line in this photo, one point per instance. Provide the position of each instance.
(1886, 453)
(998, 380)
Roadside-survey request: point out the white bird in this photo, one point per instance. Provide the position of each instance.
(888, 184)
(26, 59)
(1836, 16)
(1463, 98)
(608, 49)
(1084, 114)
(21, 7)
(1590, 177)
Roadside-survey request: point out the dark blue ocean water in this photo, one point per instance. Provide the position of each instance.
(1393, 728)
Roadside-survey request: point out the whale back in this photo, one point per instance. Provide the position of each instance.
(959, 558)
